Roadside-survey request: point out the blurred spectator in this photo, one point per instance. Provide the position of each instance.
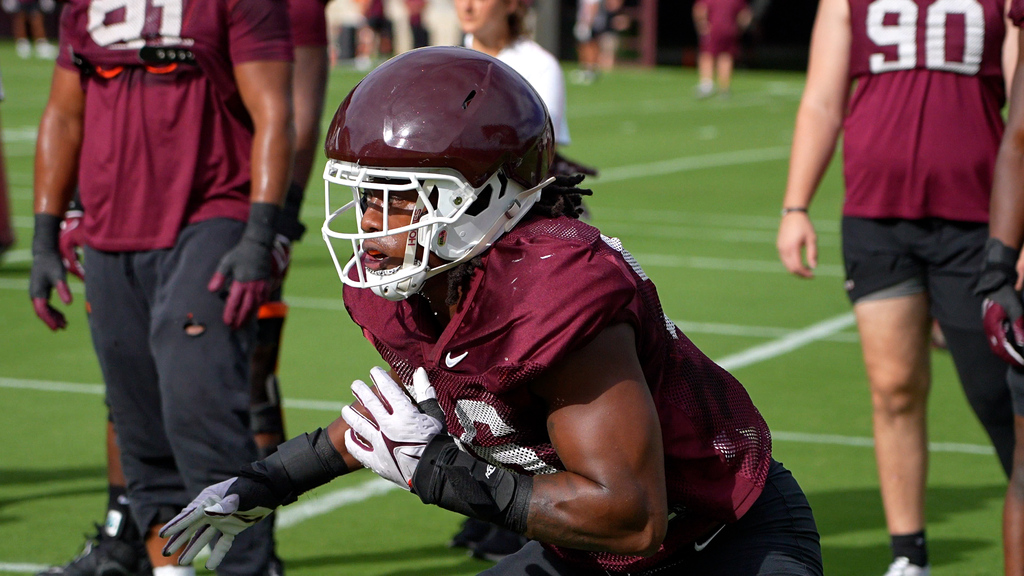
(26, 21)
(719, 24)
(374, 36)
(598, 24)
(420, 37)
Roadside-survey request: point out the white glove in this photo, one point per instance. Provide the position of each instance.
(215, 512)
(392, 445)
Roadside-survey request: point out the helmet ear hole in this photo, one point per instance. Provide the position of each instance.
(482, 201)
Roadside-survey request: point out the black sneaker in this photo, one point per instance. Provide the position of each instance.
(473, 531)
(498, 543)
(105, 556)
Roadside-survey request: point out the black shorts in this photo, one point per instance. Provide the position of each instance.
(777, 536)
(892, 257)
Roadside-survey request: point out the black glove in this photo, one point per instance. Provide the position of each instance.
(48, 272)
(1002, 311)
(248, 267)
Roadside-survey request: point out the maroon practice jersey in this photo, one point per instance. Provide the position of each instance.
(548, 288)
(165, 145)
(723, 30)
(924, 123)
(309, 22)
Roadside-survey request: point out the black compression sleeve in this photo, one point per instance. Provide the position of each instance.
(300, 464)
(456, 481)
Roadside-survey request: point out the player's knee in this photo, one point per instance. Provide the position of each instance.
(898, 395)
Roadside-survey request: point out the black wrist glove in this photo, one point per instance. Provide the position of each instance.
(1002, 310)
(247, 267)
(457, 481)
(48, 272)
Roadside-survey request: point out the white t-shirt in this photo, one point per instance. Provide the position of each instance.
(542, 71)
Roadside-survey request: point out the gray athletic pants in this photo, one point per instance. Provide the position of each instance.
(177, 377)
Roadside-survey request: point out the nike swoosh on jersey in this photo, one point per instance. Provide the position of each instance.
(699, 547)
(451, 362)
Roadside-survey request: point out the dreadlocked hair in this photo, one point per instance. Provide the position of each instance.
(560, 198)
(459, 277)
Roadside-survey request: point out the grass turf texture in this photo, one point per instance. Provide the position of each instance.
(703, 227)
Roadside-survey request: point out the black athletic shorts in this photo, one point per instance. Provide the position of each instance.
(891, 257)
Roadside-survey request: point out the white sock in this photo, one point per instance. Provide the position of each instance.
(174, 570)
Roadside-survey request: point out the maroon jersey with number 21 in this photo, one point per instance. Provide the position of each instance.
(165, 145)
(547, 288)
(924, 123)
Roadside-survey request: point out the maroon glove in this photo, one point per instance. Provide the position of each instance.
(71, 239)
(248, 267)
(47, 272)
(1002, 311)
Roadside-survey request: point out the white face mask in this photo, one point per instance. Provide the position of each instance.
(451, 219)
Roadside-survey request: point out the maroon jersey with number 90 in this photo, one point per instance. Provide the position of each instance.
(924, 123)
(547, 288)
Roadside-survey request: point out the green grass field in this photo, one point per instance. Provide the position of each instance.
(692, 188)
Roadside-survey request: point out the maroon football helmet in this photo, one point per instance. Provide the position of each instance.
(463, 130)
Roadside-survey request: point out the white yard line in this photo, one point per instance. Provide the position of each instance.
(688, 163)
(787, 343)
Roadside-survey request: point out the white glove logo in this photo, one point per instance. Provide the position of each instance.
(392, 440)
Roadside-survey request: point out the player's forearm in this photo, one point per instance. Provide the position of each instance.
(56, 163)
(266, 91)
(272, 152)
(814, 141)
(309, 81)
(1006, 213)
(569, 510)
(337, 431)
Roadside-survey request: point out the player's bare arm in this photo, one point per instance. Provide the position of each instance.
(700, 18)
(58, 143)
(56, 170)
(603, 423)
(818, 123)
(266, 90)
(246, 270)
(1002, 309)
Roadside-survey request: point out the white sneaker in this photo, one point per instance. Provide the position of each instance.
(704, 90)
(902, 567)
(45, 50)
(23, 47)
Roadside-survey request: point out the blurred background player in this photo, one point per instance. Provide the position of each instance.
(175, 275)
(719, 24)
(27, 24)
(117, 543)
(420, 36)
(498, 28)
(918, 177)
(597, 28)
(6, 227)
(374, 37)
